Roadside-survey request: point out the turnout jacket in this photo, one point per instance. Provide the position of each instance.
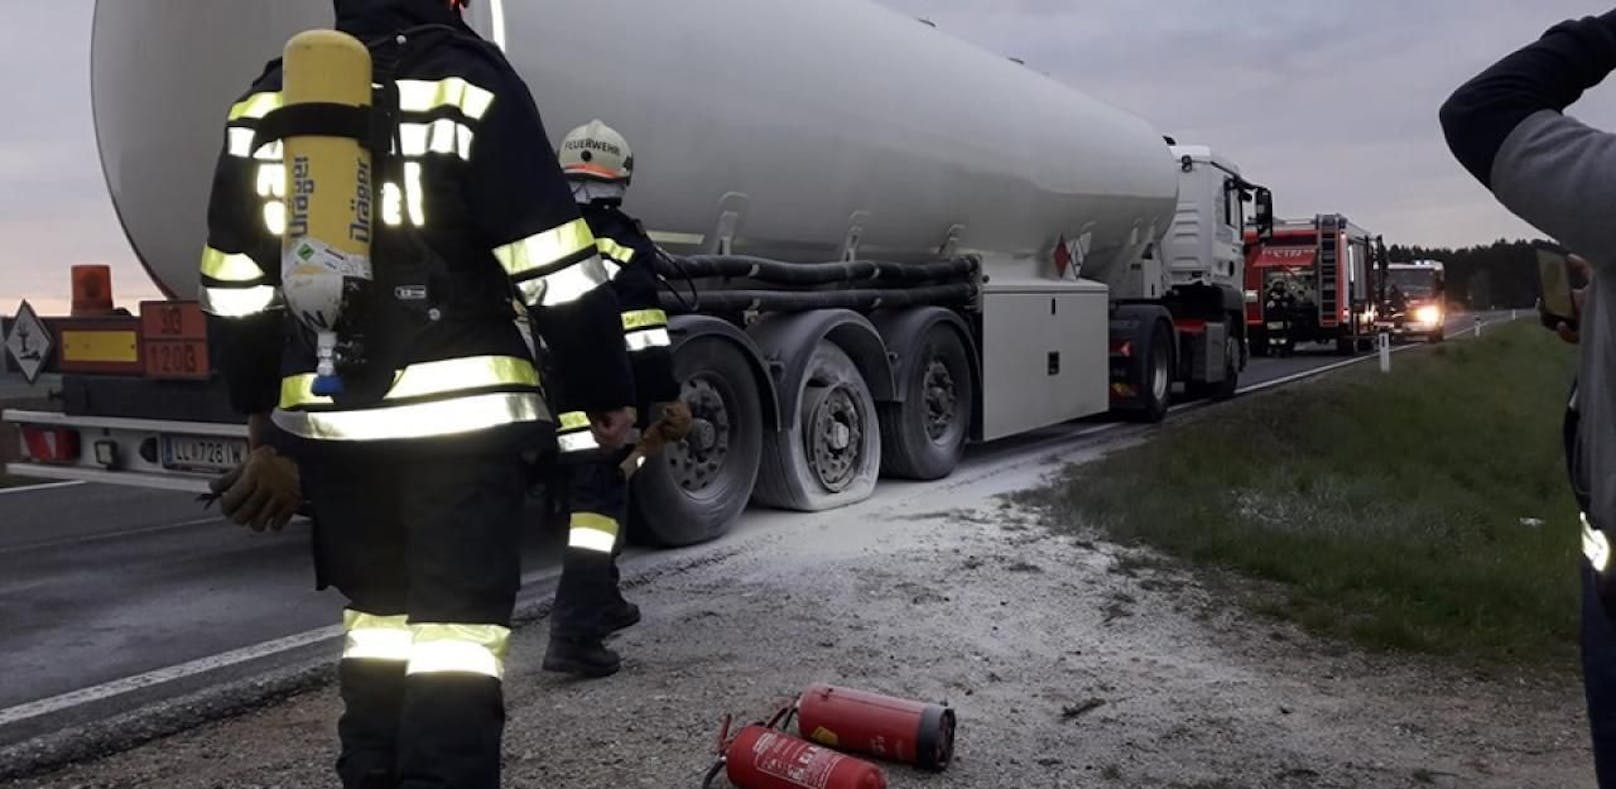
(629, 256)
(476, 236)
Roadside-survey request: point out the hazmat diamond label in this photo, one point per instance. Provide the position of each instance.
(28, 343)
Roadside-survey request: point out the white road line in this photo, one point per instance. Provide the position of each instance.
(41, 486)
(34, 709)
(1316, 371)
(119, 687)
(93, 538)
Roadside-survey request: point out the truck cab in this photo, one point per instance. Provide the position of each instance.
(1196, 278)
(1414, 300)
(1315, 280)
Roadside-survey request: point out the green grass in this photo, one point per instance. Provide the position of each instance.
(1384, 510)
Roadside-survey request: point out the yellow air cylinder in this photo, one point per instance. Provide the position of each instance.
(330, 190)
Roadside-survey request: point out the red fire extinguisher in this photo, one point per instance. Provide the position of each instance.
(761, 756)
(909, 732)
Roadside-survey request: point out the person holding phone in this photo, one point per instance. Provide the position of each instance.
(1508, 127)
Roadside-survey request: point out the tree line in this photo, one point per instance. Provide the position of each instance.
(1502, 274)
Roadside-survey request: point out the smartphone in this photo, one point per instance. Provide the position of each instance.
(1554, 272)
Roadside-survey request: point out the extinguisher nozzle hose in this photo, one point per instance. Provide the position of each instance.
(712, 773)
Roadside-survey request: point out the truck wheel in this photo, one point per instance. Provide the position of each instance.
(830, 456)
(1346, 346)
(1154, 372)
(695, 489)
(923, 437)
(1438, 336)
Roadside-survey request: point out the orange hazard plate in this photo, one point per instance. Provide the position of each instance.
(174, 340)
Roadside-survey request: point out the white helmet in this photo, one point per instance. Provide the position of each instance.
(596, 152)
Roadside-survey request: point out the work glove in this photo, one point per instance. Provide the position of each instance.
(263, 492)
(674, 421)
(673, 424)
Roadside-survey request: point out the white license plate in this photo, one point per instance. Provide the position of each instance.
(197, 453)
(1276, 325)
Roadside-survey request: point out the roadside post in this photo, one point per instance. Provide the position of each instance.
(1478, 325)
(1385, 352)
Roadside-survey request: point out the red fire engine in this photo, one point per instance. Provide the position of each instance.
(1313, 282)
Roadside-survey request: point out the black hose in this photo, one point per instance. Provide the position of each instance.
(808, 274)
(800, 301)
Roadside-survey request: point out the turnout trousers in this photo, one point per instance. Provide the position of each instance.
(425, 545)
(597, 506)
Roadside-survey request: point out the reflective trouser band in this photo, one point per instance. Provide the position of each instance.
(374, 637)
(457, 416)
(592, 532)
(1595, 546)
(429, 379)
(574, 434)
(460, 649)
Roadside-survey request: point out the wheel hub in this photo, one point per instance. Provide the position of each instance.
(835, 437)
(697, 461)
(941, 400)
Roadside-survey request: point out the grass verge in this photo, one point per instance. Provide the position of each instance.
(1396, 512)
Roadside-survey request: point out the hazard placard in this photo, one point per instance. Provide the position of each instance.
(28, 343)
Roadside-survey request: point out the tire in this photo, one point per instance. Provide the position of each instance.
(696, 489)
(1346, 346)
(1437, 337)
(829, 455)
(1154, 372)
(923, 438)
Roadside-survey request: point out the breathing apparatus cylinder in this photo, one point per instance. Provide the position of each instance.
(325, 253)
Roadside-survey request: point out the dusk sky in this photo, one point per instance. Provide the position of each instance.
(1333, 104)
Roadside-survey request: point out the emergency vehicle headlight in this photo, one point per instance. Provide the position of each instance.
(1428, 314)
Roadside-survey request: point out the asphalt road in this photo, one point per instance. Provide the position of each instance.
(104, 589)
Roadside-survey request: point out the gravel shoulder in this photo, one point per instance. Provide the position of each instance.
(1070, 662)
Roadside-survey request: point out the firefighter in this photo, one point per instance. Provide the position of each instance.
(413, 471)
(589, 605)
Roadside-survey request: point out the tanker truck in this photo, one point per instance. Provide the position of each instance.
(883, 243)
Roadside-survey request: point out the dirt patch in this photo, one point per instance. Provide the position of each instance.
(1052, 689)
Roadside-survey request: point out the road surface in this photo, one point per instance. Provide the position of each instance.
(116, 597)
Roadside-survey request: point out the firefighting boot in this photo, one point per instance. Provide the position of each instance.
(577, 623)
(580, 655)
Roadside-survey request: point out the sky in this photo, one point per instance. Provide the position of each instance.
(1332, 104)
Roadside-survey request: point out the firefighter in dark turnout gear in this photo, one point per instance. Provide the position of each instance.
(589, 605)
(414, 475)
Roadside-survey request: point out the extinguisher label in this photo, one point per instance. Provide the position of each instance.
(825, 736)
(788, 758)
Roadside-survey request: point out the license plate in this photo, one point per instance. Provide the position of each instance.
(1276, 325)
(197, 453)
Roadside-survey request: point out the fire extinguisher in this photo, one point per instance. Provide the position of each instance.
(761, 756)
(909, 732)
